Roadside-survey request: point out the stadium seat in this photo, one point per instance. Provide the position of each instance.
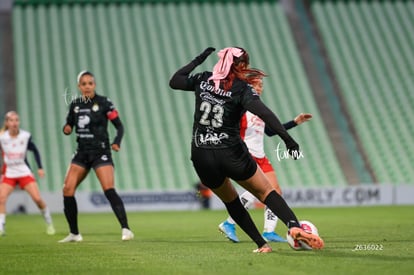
(133, 49)
(370, 46)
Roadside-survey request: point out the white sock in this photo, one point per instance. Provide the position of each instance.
(2, 221)
(270, 220)
(46, 215)
(247, 199)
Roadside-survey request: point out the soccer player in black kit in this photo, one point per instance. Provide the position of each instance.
(218, 152)
(89, 114)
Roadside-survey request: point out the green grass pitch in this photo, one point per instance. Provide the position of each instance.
(358, 240)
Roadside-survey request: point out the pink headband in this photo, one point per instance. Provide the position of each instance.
(222, 68)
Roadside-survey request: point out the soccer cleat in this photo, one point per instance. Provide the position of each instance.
(229, 230)
(273, 237)
(72, 238)
(312, 240)
(264, 249)
(2, 232)
(50, 229)
(127, 234)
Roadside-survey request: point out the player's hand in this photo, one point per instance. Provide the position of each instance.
(293, 149)
(41, 173)
(115, 147)
(303, 117)
(203, 56)
(67, 129)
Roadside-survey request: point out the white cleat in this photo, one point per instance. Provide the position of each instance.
(50, 230)
(71, 238)
(127, 234)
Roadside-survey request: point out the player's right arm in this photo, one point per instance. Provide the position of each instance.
(70, 121)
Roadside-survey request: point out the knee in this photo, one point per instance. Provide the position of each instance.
(107, 185)
(263, 195)
(279, 191)
(3, 199)
(68, 189)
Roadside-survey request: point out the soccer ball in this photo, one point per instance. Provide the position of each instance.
(299, 245)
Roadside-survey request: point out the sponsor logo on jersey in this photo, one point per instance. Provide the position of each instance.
(205, 86)
(86, 135)
(210, 98)
(83, 121)
(209, 138)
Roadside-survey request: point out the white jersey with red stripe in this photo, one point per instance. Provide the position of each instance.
(252, 130)
(14, 150)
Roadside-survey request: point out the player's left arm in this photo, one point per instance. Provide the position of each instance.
(116, 144)
(181, 78)
(299, 119)
(113, 116)
(32, 147)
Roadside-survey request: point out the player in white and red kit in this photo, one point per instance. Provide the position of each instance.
(252, 131)
(14, 144)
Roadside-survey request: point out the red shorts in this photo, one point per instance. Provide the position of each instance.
(22, 181)
(264, 164)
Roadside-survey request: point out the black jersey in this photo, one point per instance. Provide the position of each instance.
(218, 112)
(90, 118)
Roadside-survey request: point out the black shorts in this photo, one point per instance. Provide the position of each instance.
(214, 165)
(93, 159)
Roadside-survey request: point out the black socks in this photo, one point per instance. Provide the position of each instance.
(243, 219)
(274, 202)
(117, 206)
(279, 207)
(70, 208)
